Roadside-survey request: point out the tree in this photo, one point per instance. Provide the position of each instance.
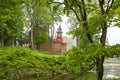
(11, 21)
(93, 25)
(41, 18)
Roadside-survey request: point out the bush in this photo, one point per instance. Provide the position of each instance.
(76, 61)
(19, 62)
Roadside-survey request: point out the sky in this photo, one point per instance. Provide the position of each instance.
(113, 33)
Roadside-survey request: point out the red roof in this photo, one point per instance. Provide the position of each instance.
(63, 40)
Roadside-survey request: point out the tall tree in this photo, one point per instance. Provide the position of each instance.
(11, 21)
(93, 25)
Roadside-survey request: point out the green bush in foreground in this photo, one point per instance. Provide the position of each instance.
(19, 62)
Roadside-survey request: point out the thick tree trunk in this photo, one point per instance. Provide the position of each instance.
(100, 67)
(100, 59)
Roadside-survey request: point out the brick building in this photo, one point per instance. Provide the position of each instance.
(58, 44)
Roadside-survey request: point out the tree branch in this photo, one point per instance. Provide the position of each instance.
(101, 3)
(76, 14)
(84, 18)
(109, 6)
(84, 10)
(79, 6)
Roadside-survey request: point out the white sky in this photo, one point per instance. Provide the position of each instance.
(113, 33)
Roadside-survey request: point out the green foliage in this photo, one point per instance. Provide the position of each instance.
(94, 23)
(77, 31)
(11, 20)
(77, 58)
(19, 62)
(95, 19)
(113, 50)
(84, 57)
(40, 37)
(41, 18)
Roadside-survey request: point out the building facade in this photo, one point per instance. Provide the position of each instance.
(57, 45)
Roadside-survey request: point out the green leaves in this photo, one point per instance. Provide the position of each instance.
(25, 62)
(77, 31)
(113, 50)
(40, 36)
(11, 20)
(87, 56)
(94, 23)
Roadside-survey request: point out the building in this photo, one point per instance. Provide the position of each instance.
(58, 44)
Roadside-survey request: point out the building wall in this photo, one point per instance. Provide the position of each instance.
(44, 46)
(64, 47)
(56, 48)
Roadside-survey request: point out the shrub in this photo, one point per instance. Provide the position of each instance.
(19, 62)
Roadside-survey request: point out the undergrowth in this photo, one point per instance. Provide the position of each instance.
(19, 62)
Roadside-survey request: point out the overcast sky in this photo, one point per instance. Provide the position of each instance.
(113, 34)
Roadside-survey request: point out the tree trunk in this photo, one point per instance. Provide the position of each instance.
(32, 20)
(77, 40)
(100, 67)
(100, 59)
(83, 17)
(32, 43)
(15, 42)
(51, 37)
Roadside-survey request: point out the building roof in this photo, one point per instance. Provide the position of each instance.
(63, 40)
